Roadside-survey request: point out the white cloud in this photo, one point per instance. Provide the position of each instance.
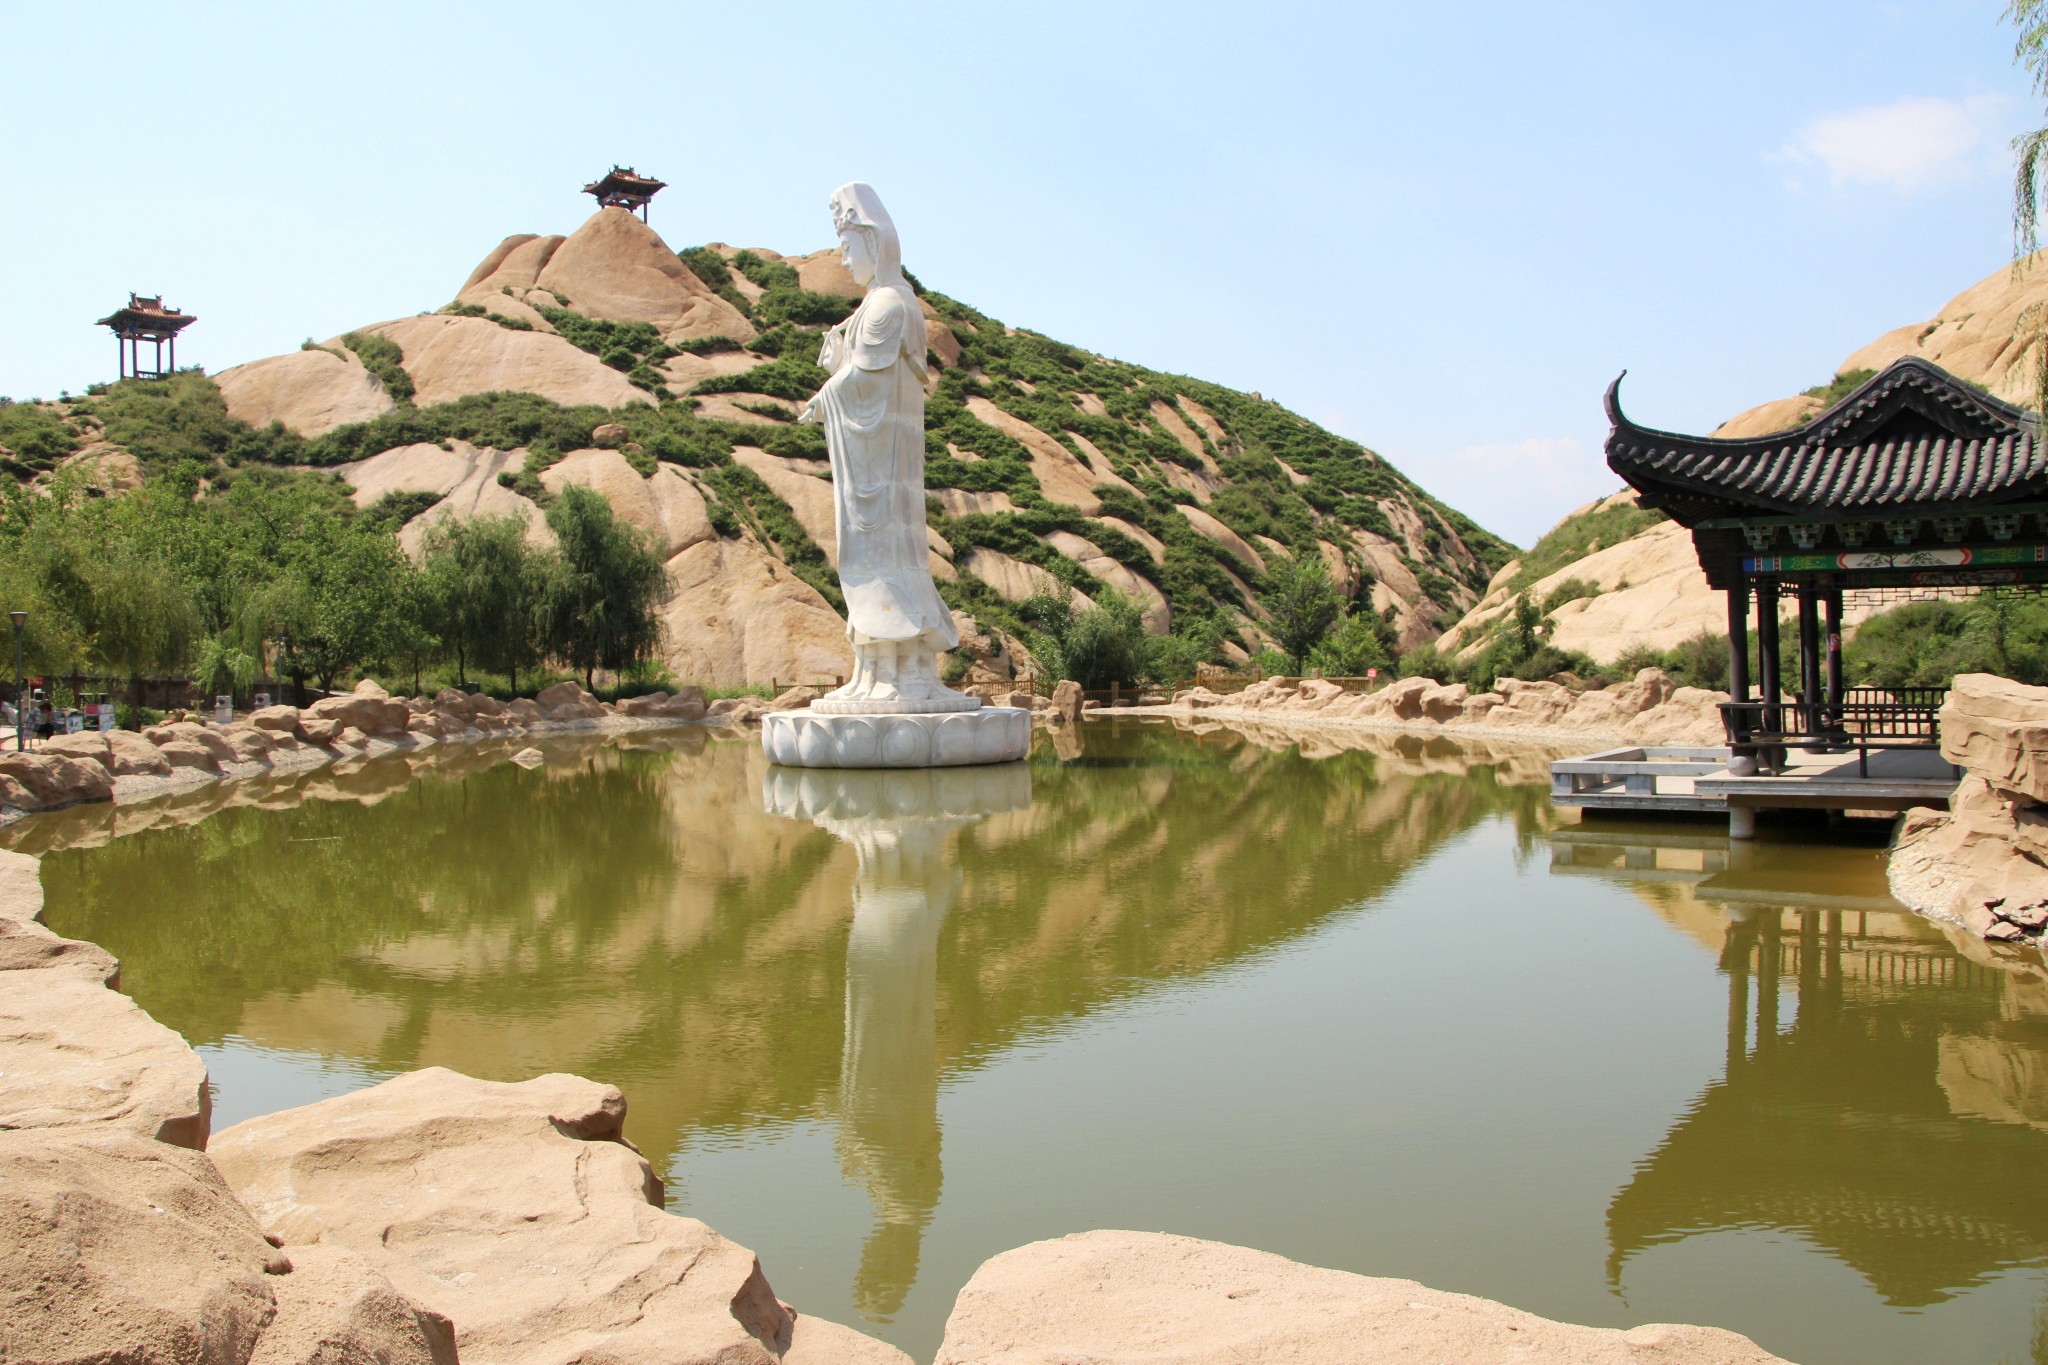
(1911, 145)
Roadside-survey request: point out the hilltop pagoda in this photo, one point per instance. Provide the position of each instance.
(1915, 485)
(623, 187)
(146, 319)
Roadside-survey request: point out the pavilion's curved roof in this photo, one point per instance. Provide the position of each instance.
(1911, 438)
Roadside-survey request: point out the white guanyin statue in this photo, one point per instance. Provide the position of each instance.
(872, 409)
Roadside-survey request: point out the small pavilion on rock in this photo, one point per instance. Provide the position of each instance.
(623, 187)
(1915, 485)
(146, 319)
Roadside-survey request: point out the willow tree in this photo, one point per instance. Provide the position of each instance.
(2030, 165)
(602, 604)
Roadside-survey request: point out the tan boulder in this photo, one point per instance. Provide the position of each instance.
(687, 704)
(737, 710)
(452, 357)
(1403, 699)
(1066, 701)
(335, 1309)
(311, 392)
(1122, 1298)
(1442, 703)
(182, 753)
(26, 946)
(523, 711)
(130, 754)
(519, 1214)
(1688, 716)
(46, 781)
(122, 1249)
(88, 744)
(279, 720)
(376, 716)
(1998, 729)
(940, 341)
(795, 699)
(207, 737)
(736, 615)
(75, 1054)
(319, 729)
(609, 435)
(617, 268)
(567, 701)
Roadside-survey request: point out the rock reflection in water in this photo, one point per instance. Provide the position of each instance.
(1881, 1093)
(897, 823)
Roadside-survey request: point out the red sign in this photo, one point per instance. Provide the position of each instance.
(1371, 673)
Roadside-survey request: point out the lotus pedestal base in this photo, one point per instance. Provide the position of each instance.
(808, 739)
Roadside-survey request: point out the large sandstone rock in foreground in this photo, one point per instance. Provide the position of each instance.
(1109, 1298)
(76, 1055)
(116, 1248)
(519, 1213)
(1984, 864)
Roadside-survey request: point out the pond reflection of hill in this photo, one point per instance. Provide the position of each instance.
(633, 914)
(1890, 1115)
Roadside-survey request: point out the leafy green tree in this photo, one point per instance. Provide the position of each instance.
(1100, 645)
(601, 604)
(1355, 645)
(479, 582)
(1303, 604)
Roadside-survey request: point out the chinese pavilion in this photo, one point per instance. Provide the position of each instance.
(146, 319)
(1915, 484)
(623, 187)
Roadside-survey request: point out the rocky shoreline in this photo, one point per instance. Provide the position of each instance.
(1649, 709)
(436, 1217)
(126, 765)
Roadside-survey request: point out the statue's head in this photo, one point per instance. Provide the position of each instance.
(867, 238)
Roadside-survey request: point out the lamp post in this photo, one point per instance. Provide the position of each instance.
(20, 619)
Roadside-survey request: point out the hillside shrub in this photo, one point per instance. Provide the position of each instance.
(708, 266)
(34, 439)
(790, 378)
(382, 357)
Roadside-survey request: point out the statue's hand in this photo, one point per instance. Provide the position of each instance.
(810, 415)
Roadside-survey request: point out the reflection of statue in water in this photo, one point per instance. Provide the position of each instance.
(898, 823)
(872, 409)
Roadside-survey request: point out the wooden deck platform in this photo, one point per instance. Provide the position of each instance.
(1644, 780)
(1676, 781)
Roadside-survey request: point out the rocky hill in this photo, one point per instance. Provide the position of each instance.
(669, 382)
(1617, 578)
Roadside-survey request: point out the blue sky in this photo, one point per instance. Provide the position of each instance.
(1437, 229)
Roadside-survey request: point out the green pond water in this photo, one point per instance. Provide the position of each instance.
(1380, 1009)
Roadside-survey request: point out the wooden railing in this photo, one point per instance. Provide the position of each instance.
(1866, 718)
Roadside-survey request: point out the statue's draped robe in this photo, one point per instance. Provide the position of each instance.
(873, 413)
